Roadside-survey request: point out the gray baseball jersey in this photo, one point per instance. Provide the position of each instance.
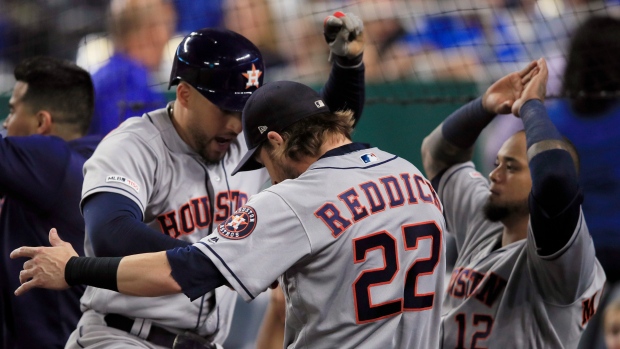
(146, 160)
(510, 297)
(357, 243)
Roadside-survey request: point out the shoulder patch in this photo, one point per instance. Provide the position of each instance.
(369, 157)
(124, 180)
(475, 174)
(239, 225)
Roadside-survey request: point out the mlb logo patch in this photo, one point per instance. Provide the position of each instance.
(319, 104)
(123, 180)
(369, 157)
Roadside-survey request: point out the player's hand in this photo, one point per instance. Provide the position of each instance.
(46, 266)
(344, 33)
(536, 88)
(500, 97)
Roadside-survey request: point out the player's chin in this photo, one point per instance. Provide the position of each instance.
(213, 156)
(216, 151)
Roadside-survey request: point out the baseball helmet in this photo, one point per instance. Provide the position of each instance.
(222, 65)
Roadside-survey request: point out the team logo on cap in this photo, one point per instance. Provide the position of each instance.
(252, 76)
(240, 225)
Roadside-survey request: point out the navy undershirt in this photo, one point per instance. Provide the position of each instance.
(115, 228)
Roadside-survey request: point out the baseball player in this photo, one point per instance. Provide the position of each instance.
(40, 182)
(164, 180)
(361, 260)
(526, 275)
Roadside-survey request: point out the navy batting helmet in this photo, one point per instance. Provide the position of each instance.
(223, 65)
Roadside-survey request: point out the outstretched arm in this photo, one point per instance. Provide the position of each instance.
(555, 199)
(453, 140)
(145, 275)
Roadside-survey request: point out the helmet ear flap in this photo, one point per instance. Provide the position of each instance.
(222, 65)
(174, 79)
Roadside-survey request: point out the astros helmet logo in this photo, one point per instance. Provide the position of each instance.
(252, 76)
(240, 225)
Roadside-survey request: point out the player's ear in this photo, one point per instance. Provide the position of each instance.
(183, 93)
(275, 139)
(44, 122)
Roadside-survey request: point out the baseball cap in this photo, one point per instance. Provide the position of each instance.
(274, 107)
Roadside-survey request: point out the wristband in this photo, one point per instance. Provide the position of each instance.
(97, 272)
(345, 62)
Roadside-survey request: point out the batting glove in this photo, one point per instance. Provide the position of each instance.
(344, 33)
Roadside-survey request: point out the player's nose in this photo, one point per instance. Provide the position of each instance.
(233, 122)
(494, 176)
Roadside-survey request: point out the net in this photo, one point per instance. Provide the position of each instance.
(416, 41)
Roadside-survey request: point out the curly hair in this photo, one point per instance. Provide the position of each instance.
(305, 137)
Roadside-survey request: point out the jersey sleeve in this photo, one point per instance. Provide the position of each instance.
(463, 191)
(124, 164)
(566, 275)
(257, 244)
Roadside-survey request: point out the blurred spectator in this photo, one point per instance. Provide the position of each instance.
(46, 27)
(125, 86)
(386, 55)
(419, 40)
(590, 118)
(41, 181)
(194, 14)
(254, 19)
(611, 324)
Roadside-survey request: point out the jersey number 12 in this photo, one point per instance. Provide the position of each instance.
(411, 300)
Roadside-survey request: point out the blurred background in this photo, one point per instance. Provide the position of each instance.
(423, 58)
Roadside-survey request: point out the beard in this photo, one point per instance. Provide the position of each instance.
(287, 171)
(498, 212)
(202, 143)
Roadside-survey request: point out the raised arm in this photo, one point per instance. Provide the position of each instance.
(345, 88)
(452, 142)
(555, 199)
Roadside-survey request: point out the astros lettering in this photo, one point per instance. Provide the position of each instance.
(466, 282)
(196, 213)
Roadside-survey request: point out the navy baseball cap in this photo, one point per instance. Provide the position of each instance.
(274, 107)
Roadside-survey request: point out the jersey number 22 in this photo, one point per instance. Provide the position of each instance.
(411, 300)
